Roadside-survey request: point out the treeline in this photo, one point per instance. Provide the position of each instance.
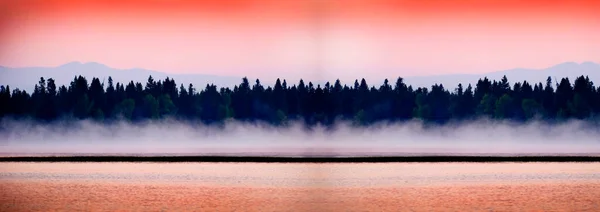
(360, 103)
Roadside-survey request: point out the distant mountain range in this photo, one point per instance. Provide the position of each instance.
(25, 78)
(571, 70)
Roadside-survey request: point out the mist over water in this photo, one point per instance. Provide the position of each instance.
(235, 138)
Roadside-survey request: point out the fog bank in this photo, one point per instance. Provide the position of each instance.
(235, 138)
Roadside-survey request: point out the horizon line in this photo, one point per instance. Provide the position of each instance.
(77, 62)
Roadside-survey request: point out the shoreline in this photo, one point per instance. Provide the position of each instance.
(304, 159)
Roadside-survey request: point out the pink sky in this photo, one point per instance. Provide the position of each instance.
(290, 38)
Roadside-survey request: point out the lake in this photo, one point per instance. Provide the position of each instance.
(299, 187)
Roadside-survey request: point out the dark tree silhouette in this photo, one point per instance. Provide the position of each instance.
(312, 104)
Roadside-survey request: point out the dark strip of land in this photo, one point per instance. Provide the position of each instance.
(258, 159)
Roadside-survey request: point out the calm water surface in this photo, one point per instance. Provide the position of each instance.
(304, 175)
(299, 187)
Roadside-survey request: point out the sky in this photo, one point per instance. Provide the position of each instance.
(323, 39)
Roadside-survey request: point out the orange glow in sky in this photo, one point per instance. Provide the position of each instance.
(301, 38)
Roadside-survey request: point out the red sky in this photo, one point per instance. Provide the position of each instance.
(301, 38)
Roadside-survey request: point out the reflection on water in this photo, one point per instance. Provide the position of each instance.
(304, 175)
(300, 187)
